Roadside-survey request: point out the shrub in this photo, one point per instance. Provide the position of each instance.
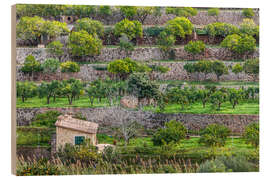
(251, 134)
(46, 119)
(248, 12)
(179, 26)
(173, 132)
(132, 29)
(81, 43)
(214, 135)
(159, 68)
(238, 163)
(125, 44)
(239, 44)
(183, 11)
(249, 27)
(237, 68)
(195, 47)
(85, 153)
(37, 167)
(213, 12)
(50, 65)
(90, 26)
(166, 41)
(220, 29)
(212, 166)
(251, 67)
(69, 66)
(55, 48)
(153, 31)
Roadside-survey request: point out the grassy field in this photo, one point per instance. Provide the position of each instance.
(187, 144)
(197, 108)
(60, 102)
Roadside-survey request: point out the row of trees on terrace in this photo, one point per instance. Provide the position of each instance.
(250, 67)
(133, 12)
(49, 66)
(85, 39)
(138, 85)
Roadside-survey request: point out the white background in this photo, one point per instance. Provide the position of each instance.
(5, 85)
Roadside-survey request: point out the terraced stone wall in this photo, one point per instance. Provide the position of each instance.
(106, 119)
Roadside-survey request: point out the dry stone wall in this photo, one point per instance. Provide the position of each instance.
(140, 54)
(106, 118)
(234, 17)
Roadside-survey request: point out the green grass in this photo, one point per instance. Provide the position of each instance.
(60, 102)
(191, 144)
(34, 136)
(197, 108)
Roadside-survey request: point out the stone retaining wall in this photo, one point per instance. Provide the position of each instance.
(140, 54)
(106, 118)
(234, 17)
(177, 72)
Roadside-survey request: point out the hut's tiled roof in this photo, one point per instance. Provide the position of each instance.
(67, 121)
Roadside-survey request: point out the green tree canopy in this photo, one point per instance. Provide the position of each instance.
(82, 44)
(132, 29)
(124, 67)
(90, 26)
(26, 90)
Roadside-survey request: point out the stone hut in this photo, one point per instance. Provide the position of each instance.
(74, 131)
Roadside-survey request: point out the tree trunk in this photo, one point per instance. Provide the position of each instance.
(48, 100)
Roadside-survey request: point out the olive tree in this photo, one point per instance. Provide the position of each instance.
(142, 87)
(26, 90)
(203, 95)
(48, 90)
(71, 88)
(234, 96)
(217, 98)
